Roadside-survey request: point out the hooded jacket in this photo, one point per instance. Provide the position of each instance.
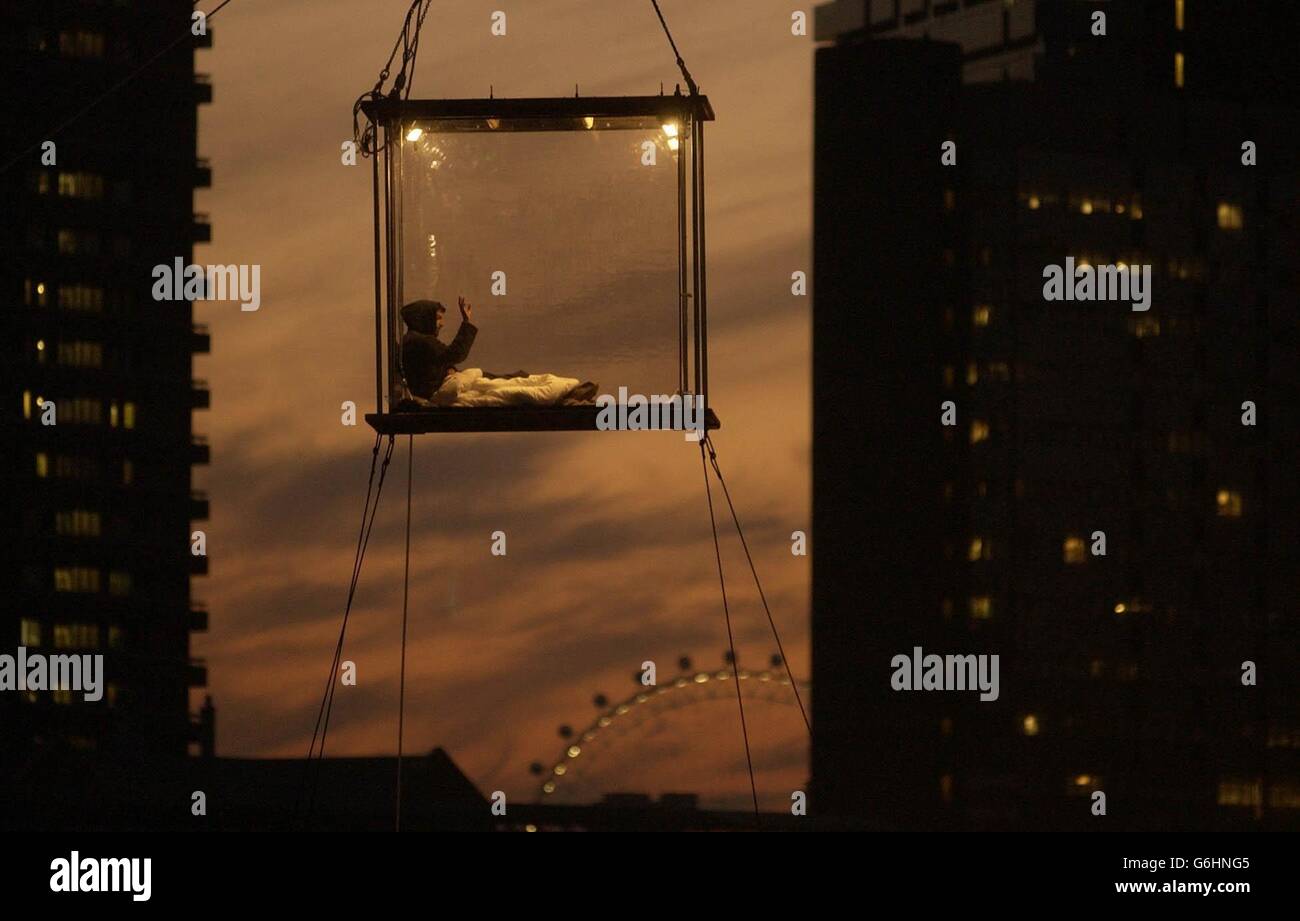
(426, 361)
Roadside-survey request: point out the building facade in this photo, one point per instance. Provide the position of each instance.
(96, 504)
(1113, 510)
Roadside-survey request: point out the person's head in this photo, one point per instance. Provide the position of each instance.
(424, 316)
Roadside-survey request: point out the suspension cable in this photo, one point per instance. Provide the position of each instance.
(406, 590)
(327, 701)
(187, 35)
(408, 40)
(713, 459)
(681, 65)
(735, 660)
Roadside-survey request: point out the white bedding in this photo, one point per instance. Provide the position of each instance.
(471, 388)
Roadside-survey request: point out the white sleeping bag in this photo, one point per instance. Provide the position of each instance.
(471, 388)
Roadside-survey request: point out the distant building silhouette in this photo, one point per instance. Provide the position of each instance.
(1120, 673)
(95, 511)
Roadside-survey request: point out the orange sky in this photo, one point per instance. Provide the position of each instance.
(610, 558)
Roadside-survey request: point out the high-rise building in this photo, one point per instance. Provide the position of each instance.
(96, 386)
(1113, 512)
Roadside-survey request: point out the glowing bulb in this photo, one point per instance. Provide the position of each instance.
(670, 129)
(1121, 608)
(40, 345)
(589, 122)
(673, 143)
(414, 134)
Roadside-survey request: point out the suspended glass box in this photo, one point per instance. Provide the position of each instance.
(574, 229)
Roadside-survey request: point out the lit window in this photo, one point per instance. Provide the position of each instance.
(27, 404)
(1284, 795)
(1029, 725)
(112, 414)
(1229, 216)
(82, 410)
(29, 632)
(1074, 550)
(981, 607)
(77, 523)
(948, 375)
(81, 185)
(42, 464)
(81, 44)
(34, 293)
(1085, 207)
(81, 354)
(1178, 15)
(981, 315)
(1034, 203)
(81, 297)
(76, 636)
(128, 415)
(76, 579)
(1239, 793)
(1228, 503)
(979, 549)
(972, 373)
(979, 431)
(1178, 69)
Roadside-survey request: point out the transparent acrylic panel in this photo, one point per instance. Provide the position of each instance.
(585, 231)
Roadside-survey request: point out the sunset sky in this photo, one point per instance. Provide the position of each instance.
(610, 558)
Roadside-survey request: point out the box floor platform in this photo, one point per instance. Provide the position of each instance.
(496, 419)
